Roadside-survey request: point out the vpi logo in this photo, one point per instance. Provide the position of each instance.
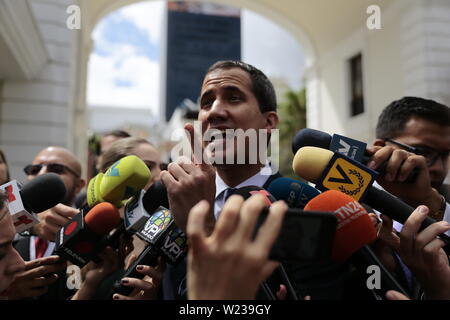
(174, 245)
(158, 222)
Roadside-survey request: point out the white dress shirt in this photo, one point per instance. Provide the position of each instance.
(257, 180)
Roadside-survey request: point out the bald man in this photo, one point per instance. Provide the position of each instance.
(64, 163)
(45, 276)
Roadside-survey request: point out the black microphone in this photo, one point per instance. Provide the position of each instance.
(40, 194)
(351, 148)
(139, 209)
(165, 240)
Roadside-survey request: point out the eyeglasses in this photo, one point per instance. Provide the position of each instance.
(431, 155)
(34, 169)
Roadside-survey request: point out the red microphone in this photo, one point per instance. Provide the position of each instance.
(354, 232)
(354, 228)
(82, 238)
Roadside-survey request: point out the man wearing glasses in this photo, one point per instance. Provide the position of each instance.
(37, 247)
(62, 162)
(415, 132)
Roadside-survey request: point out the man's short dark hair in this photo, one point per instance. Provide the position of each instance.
(392, 121)
(261, 86)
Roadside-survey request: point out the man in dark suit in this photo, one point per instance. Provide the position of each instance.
(421, 128)
(235, 98)
(37, 246)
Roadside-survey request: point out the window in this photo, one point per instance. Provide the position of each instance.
(356, 86)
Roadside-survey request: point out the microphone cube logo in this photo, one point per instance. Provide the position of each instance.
(156, 224)
(174, 246)
(345, 175)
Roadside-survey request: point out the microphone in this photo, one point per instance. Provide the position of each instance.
(248, 191)
(295, 193)
(41, 193)
(333, 171)
(354, 232)
(354, 227)
(139, 208)
(351, 148)
(83, 237)
(165, 239)
(122, 180)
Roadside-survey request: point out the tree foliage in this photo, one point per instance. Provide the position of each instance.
(292, 114)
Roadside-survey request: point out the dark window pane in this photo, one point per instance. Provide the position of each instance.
(356, 86)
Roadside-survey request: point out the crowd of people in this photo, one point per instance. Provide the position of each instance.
(226, 259)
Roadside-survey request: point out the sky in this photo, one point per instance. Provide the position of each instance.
(124, 68)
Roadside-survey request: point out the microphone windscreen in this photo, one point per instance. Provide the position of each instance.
(295, 193)
(124, 179)
(102, 218)
(43, 192)
(247, 192)
(154, 197)
(354, 229)
(93, 190)
(310, 162)
(310, 138)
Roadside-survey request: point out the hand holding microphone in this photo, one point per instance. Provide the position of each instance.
(84, 236)
(354, 232)
(422, 253)
(401, 165)
(36, 196)
(146, 288)
(333, 171)
(228, 264)
(401, 173)
(96, 272)
(52, 220)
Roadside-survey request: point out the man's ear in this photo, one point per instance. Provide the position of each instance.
(379, 142)
(80, 185)
(271, 120)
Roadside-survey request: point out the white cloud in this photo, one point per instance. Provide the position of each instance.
(283, 55)
(127, 67)
(147, 16)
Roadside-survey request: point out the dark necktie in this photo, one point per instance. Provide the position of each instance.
(228, 193)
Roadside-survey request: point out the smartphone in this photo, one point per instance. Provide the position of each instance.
(305, 236)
